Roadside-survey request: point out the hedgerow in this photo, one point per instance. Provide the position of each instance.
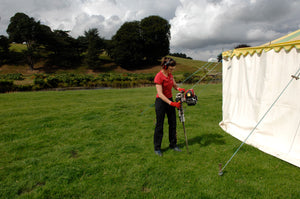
(65, 80)
(13, 76)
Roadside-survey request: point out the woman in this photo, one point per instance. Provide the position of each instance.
(164, 104)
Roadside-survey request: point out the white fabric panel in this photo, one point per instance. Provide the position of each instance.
(250, 86)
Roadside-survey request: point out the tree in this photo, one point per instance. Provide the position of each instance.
(242, 46)
(156, 35)
(182, 55)
(136, 42)
(25, 29)
(63, 50)
(220, 57)
(45, 35)
(4, 49)
(82, 44)
(95, 47)
(127, 45)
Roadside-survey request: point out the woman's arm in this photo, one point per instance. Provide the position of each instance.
(177, 88)
(161, 95)
(175, 85)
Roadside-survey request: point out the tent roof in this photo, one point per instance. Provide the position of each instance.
(294, 36)
(286, 42)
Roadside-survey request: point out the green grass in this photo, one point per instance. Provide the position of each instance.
(99, 144)
(189, 65)
(17, 47)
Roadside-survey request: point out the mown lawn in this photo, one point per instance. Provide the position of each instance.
(99, 144)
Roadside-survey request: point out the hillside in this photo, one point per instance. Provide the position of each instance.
(107, 74)
(183, 66)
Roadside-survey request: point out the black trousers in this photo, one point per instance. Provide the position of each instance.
(161, 109)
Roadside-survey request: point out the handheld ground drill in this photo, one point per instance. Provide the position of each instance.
(191, 99)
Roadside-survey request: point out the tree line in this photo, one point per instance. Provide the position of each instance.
(135, 44)
(182, 55)
(220, 57)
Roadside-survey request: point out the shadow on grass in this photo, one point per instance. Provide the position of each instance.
(207, 139)
(203, 140)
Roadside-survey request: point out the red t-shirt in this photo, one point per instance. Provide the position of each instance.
(166, 82)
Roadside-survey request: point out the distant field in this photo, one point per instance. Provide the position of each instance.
(17, 47)
(99, 144)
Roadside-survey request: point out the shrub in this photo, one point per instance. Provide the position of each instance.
(6, 86)
(24, 88)
(52, 82)
(13, 76)
(39, 83)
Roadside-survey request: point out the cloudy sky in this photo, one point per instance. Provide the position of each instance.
(199, 28)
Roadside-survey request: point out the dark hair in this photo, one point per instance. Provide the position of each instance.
(167, 61)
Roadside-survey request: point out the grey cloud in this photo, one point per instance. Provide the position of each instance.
(106, 26)
(198, 27)
(262, 11)
(226, 23)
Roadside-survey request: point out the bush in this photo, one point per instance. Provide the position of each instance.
(6, 86)
(24, 87)
(46, 81)
(39, 83)
(13, 76)
(52, 82)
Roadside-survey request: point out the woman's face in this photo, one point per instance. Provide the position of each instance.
(171, 69)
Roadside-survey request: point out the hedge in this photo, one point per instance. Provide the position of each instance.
(65, 80)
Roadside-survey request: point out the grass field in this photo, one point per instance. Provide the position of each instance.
(17, 47)
(99, 144)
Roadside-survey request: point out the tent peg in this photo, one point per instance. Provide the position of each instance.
(220, 170)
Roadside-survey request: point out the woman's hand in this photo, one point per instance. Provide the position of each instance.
(175, 104)
(182, 90)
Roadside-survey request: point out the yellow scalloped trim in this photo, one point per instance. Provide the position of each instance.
(259, 49)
